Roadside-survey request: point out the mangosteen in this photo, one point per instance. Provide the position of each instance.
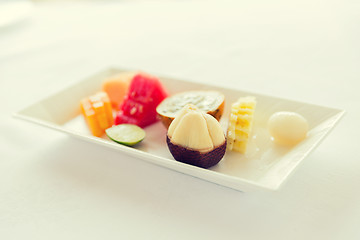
(196, 138)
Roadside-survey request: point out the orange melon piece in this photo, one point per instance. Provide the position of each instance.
(97, 112)
(90, 117)
(117, 86)
(108, 108)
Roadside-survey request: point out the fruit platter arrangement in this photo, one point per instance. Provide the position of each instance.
(227, 136)
(194, 134)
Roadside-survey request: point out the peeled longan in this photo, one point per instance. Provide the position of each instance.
(287, 128)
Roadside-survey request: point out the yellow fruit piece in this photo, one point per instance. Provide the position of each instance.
(97, 112)
(240, 123)
(240, 146)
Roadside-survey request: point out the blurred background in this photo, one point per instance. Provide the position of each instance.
(249, 40)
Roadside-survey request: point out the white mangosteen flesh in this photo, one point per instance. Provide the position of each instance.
(196, 138)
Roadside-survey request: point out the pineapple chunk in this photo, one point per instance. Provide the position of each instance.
(240, 123)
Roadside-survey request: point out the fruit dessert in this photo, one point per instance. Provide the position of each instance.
(139, 105)
(211, 102)
(126, 134)
(97, 111)
(287, 128)
(240, 123)
(196, 138)
(117, 86)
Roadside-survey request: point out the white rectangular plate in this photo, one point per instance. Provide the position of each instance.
(264, 166)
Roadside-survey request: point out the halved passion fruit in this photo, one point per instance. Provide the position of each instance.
(210, 102)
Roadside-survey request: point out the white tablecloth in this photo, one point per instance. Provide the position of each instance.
(53, 186)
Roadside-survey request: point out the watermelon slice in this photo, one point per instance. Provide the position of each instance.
(139, 106)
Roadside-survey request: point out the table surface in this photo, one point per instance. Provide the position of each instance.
(53, 186)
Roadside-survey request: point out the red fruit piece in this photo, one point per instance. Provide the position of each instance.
(139, 105)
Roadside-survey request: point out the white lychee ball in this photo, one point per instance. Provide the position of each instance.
(287, 128)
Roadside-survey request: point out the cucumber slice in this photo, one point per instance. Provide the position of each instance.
(126, 134)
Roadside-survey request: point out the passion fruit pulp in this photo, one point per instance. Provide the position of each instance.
(210, 102)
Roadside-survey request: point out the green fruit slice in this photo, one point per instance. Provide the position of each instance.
(127, 134)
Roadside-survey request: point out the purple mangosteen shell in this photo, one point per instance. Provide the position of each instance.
(194, 157)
